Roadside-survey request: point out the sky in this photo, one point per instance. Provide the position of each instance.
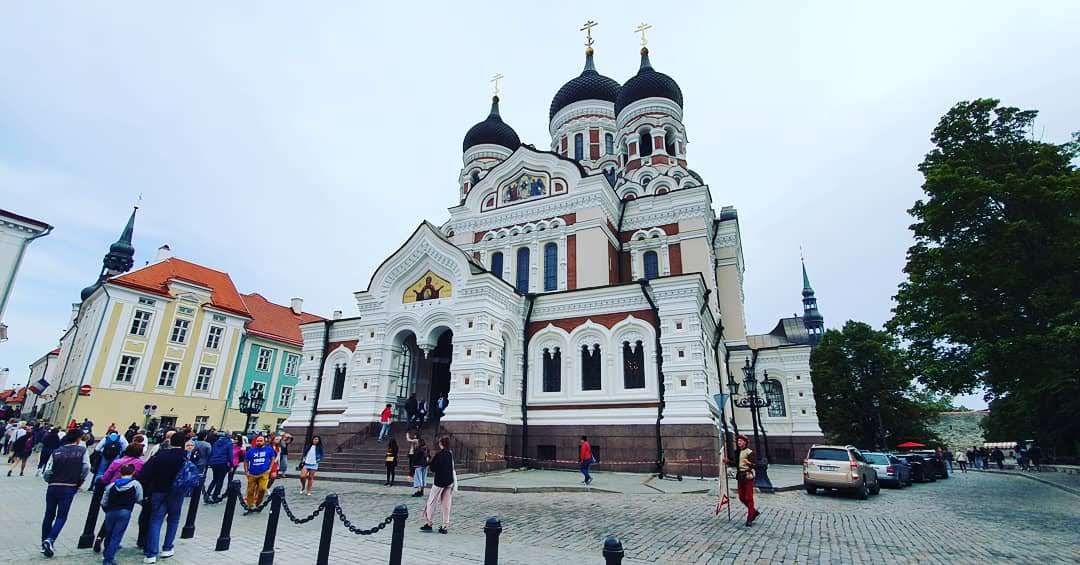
(295, 146)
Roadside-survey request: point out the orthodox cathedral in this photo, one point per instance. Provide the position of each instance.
(587, 288)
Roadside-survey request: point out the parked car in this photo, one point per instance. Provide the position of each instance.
(890, 470)
(941, 469)
(920, 468)
(840, 467)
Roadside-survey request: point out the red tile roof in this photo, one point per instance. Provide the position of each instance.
(274, 321)
(13, 395)
(155, 279)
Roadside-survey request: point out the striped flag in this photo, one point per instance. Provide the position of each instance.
(39, 387)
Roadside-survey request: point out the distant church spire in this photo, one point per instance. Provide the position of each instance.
(119, 259)
(815, 324)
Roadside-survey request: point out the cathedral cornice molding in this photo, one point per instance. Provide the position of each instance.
(526, 214)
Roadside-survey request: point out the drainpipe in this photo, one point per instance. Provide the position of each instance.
(232, 383)
(327, 325)
(659, 376)
(618, 237)
(531, 298)
(93, 344)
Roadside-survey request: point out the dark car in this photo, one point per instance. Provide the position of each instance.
(920, 468)
(890, 470)
(937, 464)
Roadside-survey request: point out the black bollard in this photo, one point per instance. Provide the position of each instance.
(397, 539)
(492, 529)
(613, 552)
(87, 538)
(192, 512)
(267, 555)
(328, 517)
(231, 494)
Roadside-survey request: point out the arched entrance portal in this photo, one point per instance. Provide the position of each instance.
(441, 357)
(425, 376)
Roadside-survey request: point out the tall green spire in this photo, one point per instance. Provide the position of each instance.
(805, 279)
(812, 319)
(119, 259)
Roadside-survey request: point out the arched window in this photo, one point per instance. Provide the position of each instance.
(774, 392)
(644, 144)
(590, 367)
(609, 144)
(497, 263)
(502, 367)
(625, 155)
(661, 191)
(633, 357)
(551, 266)
(338, 389)
(669, 141)
(523, 269)
(652, 265)
(579, 146)
(475, 176)
(552, 370)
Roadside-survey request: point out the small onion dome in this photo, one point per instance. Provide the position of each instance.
(647, 83)
(492, 130)
(86, 292)
(589, 85)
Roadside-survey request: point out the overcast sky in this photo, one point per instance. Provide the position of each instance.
(295, 146)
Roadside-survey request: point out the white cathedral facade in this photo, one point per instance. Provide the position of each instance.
(588, 289)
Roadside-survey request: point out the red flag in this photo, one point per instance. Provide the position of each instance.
(724, 500)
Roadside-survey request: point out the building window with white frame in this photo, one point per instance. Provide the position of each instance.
(259, 387)
(203, 380)
(213, 337)
(651, 263)
(591, 363)
(140, 322)
(292, 362)
(180, 331)
(126, 372)
(774, 392)
(253, 425)
(167, 378)
(201, 423)
(285, 397)
(262, 364)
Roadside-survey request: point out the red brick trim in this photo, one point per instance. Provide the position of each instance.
(669, 229)
(606, 320)
(571, 262)
(675, 258)
(570, 220)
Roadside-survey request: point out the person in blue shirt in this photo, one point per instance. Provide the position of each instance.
(221, 453)
(257, 463)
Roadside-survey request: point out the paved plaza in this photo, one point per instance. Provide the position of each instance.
(971, 518)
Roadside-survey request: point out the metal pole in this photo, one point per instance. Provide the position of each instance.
(613, 551)
(397, 539)
(492, 529)
(267, 555)
(329, 510)
(87, 538)
(193, 510)
(224, 539)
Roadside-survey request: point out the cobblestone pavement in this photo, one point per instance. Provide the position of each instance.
(972, 518)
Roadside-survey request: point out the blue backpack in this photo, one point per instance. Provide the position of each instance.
(187, 478)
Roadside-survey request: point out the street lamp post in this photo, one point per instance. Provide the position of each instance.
(755, 402)
(251, 403)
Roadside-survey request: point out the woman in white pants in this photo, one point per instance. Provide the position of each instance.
(442, 491)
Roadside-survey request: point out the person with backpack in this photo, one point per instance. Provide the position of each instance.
(132, 456)
(257, 463)
(442, 493)
(65, 472)
(420, 463)
(166, 480)
(111, 448)
(50, 442)
(21, 450)
(118, 502)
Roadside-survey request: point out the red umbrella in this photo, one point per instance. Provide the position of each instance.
(910, 444)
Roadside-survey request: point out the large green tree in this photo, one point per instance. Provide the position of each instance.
(864, 391)
(992, 296)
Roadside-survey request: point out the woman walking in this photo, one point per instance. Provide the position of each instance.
(962, 460)
(313, 453)
(22, 448)
(745, 478)
(442, 493)
(420, 461)
(391, 461)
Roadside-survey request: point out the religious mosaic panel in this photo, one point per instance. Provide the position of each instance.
(525, 185)
(428, 287)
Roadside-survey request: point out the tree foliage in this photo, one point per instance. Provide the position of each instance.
(992, 296)
(864, 391)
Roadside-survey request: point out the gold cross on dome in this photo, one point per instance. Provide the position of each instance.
(587, 28)
(641, 29)
(495, 80)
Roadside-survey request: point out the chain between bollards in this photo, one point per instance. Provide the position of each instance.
(267, 555)
(87, 538)
(613, 551)
(193, 511)
(397, 538)
(329, 512)
(224, 538)
(492, 529)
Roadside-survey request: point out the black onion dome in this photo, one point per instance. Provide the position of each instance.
(589, 85)
(647, 83)
(492, 130)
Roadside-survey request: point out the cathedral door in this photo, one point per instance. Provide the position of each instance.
(440, 367)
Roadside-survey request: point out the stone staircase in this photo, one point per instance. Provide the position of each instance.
(363, 454)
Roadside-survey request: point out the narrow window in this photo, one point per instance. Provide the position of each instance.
(579, 146)
(285, 398)
(644, 144)
(497, 264)
(523, 269)
(633, 365)
(201, 422)
(774, 392)
(126, 372)
(203, 380)
(609, 144)
(291, 364)
(140, 322)
(669, 142)
(179, 331)
(552, 368)
(502, 367)
(213, 337)
(652, 266)
(167, 378)
(339, 383)
(262, 364)
(590, 367)
(551, 266)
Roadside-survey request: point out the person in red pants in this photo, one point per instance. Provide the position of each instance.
(745, 478)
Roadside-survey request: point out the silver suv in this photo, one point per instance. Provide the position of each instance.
(840, 467)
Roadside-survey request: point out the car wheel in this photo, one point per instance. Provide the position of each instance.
(811, 489)
(876, 490)
(862, 493)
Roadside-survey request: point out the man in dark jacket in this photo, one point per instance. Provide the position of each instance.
(157, 478)
(221, 452)
(65, 472)
(50, 442)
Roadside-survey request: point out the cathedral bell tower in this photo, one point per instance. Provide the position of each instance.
(118, 260)
(815, 324)
(486, 144)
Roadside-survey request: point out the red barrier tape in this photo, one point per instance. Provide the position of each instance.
(492, 457)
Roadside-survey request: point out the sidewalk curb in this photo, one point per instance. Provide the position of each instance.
(1070, 490)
